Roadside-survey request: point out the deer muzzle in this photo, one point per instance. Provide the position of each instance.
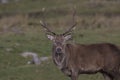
(59, 50)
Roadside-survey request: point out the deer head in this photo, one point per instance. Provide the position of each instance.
(59, 40)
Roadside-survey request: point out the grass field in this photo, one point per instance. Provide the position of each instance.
(98, 21)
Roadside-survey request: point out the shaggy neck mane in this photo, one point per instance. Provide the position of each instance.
(60, 59)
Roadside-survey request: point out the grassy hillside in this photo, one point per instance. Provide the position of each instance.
(98, 21)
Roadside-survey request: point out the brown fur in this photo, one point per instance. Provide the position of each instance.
(86, 59)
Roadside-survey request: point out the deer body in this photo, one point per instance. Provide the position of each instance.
(85, 59)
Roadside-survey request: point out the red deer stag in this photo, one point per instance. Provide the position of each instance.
(74, 59)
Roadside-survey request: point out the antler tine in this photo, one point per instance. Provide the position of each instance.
(74, 23)
(44, 25)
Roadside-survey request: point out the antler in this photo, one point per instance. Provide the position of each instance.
(44, 25)
(73, 25)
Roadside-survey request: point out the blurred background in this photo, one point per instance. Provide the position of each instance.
(20, 32)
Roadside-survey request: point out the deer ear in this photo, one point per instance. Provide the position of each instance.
(67, 37)
(51, 37)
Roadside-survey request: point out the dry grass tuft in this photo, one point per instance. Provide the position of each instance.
(13, 23)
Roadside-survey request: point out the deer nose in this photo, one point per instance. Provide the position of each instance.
(59, 50)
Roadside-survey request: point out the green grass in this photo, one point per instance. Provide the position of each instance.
(42, 72)
(95, 28)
